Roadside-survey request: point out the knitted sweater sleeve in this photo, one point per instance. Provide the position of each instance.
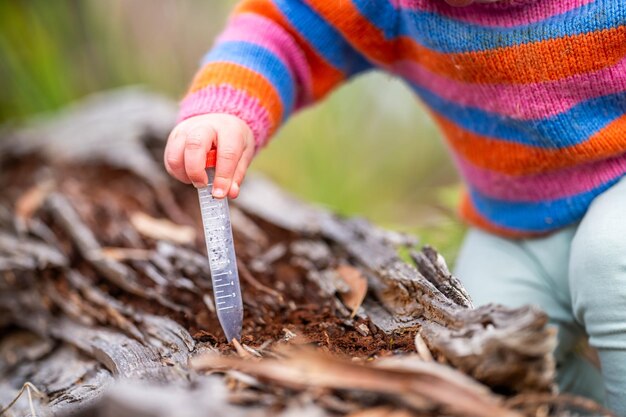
(274, 57)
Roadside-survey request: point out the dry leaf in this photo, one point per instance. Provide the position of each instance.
(358, 287)
(162, 229)
(416, 384)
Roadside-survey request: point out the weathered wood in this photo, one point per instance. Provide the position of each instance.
(474, 340)
(116, 272)
(207, 396)
(71, 379)
(433, 267)
(111, 128)
(420, 386)
(101, 301)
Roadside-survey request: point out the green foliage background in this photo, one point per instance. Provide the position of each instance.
(370, 149)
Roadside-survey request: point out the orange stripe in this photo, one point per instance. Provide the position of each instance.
(360, 32)
(469, 213)
(241, 78)
(325, 76)
(533, 62)
(517, 159)
(527, 63)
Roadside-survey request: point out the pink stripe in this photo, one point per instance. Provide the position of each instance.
(543, 187)
(496, 15)
(521, 101)
(226, 99)
(248, 27)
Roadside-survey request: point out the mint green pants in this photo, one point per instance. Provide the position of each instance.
(578, 277)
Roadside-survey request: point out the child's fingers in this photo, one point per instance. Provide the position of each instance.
(173, 157)
(198, 141)
(230, 146)
(242, 168)
(189, 143)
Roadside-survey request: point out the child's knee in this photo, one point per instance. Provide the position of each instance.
(485, 264)
(597, 271)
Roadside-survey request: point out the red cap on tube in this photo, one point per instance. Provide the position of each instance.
(211, 158)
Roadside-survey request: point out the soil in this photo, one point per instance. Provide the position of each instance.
(105, 198)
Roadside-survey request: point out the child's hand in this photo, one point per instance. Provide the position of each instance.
(191, 140)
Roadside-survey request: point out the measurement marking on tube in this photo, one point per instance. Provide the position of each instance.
(217, 230)
(226, 296)
(221, 216)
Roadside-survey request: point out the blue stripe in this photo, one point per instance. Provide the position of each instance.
(324, 39)
(260, 60)
(536, 216)
(447, 35)
(560, 131)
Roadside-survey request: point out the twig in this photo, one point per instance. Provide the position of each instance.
(168, 203)
(240, 350)
(250, 279)
(28, 387)
(30, 402)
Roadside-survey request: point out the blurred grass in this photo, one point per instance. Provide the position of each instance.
(370, 149)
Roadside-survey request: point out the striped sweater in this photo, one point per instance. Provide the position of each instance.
(529, 94)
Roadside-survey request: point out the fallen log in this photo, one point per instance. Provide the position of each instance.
(103, 279)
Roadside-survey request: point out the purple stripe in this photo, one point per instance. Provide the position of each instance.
(521, 101)
(493, 14)
(226, 99)
(264, 32)
(542, 187)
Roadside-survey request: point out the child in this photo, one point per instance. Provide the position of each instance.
(530, 95)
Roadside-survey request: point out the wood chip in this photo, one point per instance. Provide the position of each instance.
(354, 297)
(422, 349)
(123, 254)
(289, 335)
(162, 229)
(29, 202)
(363, 329)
